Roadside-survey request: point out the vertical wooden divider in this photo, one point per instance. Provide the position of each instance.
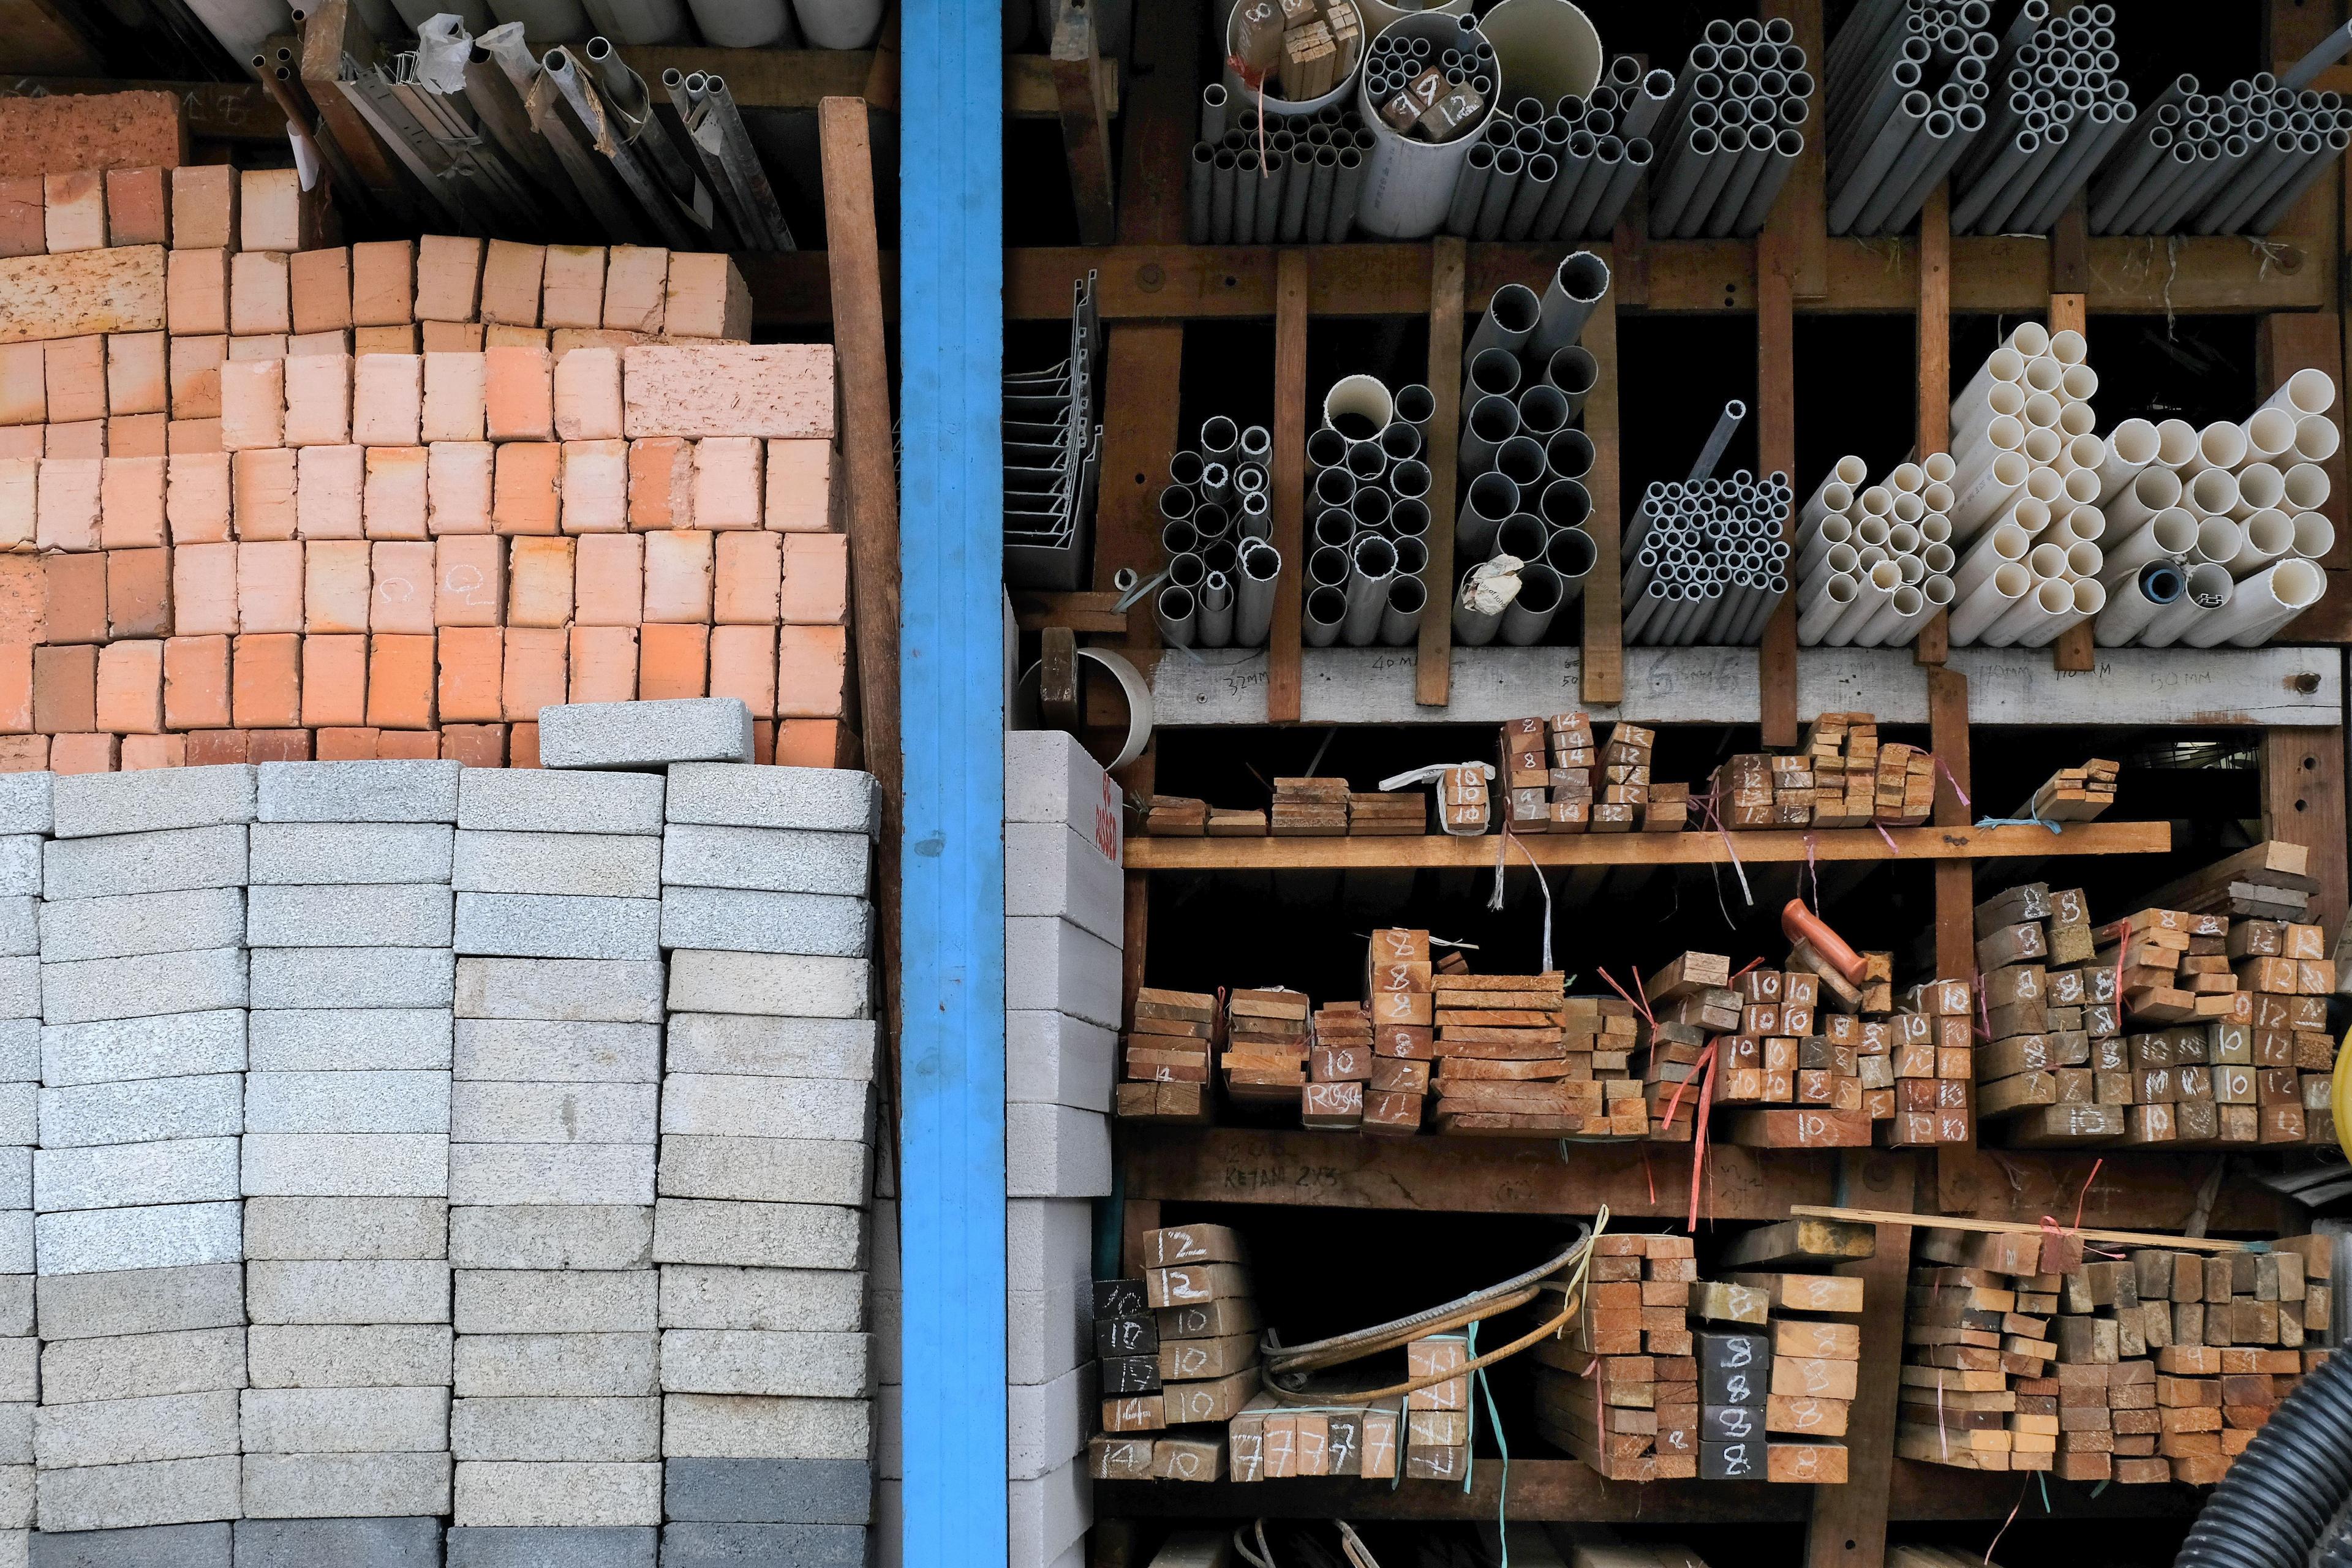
(1947, 737)
(2070, 279)
(1085, 121)
(1605, 613)
(1776, 449)
(1849, 1524)
(1933, 642)
(1289, 481)
(1432, 670)
(2303, 803)
(1805, 198)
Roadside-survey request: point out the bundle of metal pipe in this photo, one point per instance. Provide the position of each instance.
(1908, 84)
(1874, 561)
(1707, 560)
(2060, 110)
(1565, 173)
(2214, 535)
(1288, 180)
(1217, 590)
(2229, 162)
(1728, 130)
(2028, 480)
(1521, 461)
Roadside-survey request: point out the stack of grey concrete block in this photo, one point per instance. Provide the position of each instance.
(1063, 938)
(25, 821)
(139, 1229)
(556, 1428)
(346, 1417)
(768, 1115)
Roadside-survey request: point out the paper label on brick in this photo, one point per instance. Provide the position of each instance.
(771, 390)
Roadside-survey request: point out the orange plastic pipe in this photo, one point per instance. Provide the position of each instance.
(1799, 923)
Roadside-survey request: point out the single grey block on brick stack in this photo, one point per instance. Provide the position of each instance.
(644, 735)
(556, 1426)
(346, 1162)
(138, 1227)
(766, 1167)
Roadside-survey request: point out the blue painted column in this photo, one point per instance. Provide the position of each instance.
(951, 857)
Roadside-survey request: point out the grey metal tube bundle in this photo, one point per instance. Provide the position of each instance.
(1288, 179)
(1221, 571)
(2229, 162)
(1909, 84)
(1705, 561)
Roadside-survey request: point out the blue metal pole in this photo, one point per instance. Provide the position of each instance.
(952, 855)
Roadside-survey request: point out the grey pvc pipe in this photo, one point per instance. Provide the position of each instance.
(1253, 592)
(1489, 502)
(1469, 190)
(1215, 601)
(1718, 440)
(1400, 617)
(1494, 372)
(1543, 411)
(1372, 566)
(1417, 406)
(1492, 421)
(1534, 188)
(1177, 615)
(1577, 287)
(1569, 455)
(1512, 318)
(1325, 611)
(1529, 615)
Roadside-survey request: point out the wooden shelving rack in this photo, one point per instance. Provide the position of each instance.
(1152, 287)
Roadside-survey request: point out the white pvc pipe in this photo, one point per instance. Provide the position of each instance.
(2047, 563)
(2129, 611)
(2131, 446)
(2042, 412)
(2076, 419)
(1908, 479)
(2220, 445)
(2048, 601)
(2169, 536)
(1970, 414)
(2087, 600)
(2263, 603)
(1940, 468)
(2042, 447)
(2315, 438)
(2081, 486)
(2260, 488)
(2305, 392)
(1903, 609)
(1833, 530)
(2085, 454)
(2152, 490)
(1938, 493)
(1981, 500)
(2176, 444)
(2306, 488)
(2083, 560)
(2268, 535)
(2270, 432)
(2000, 435)
(2079, 384)
(2086, 524)
(2004, 363)
(2214, 492)
(1938, 560)
(1837, 595)
(839, 24)
(2315, 536)
(2004, 546)
(2043, 372)
(1908, 509)
(1935, 529)
(2068, 347)
(1876, 588)
(2030, 338)
(1977, 609)
(2047, 486)
(2219, 539)
(2210, 588)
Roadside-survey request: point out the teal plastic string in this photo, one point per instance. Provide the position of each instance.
(1502, 1448)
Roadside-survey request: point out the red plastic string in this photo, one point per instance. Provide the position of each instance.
(1698, 1142)
(1633, 996)
(1984, 1012)
(1891, 847)
(1965, 805)
(2009, 1520)
(1943, 1438)
(2082, 1199)
(1746, 966)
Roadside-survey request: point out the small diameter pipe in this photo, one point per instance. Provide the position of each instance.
(2135, 600)
(1494, 372)
(1326, 611)
(1401, 618)
(1215, 600)
(1417, 406)
(1491, 500)
(1712, 453)
(1372, 566)
(2210, 588)
(1261, 569)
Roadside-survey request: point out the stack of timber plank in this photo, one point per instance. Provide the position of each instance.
(1977, 1389)
(2074, 794)
(1200, 1369)
(1501, 1048)
(2049, 1011)
(1619, 1390)
(1169, 1039)
(1263, 1054)
(1774, 1278)
(2269, 881)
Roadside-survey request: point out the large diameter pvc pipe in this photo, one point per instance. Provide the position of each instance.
(2260, 488)
(1408, 186)
(2305, 392)
(1577, 287)
(2152, 490)
(1978, 609)
(1358, 407)
(2169, 535)
(1400, 619)
(2220, 445)
(2314, 537)
(2131, 446)
(2134, 601)
(1530, 614)
(1492, 499)
(2048, 600)
(1325, 611)
(2210, 588)
(1492, 421)
(2305, 488)
(2261, 605)
(2089, 598)
(2270, 432)
(2267, 536)
(2315, 438)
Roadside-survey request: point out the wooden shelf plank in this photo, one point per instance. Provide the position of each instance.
(1461, 1175)
(1568, 1490)
(2127, 687)
(1764, 847)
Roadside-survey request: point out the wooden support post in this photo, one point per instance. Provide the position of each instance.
(862, 348)
(1776, 451)
(2070, 280)
(1803, 201)
(332, 33)
(1288, 480)
(1849, 1524)
(1605, 613)
(2303, 803)
(1933, 642)
(1947, 737)
(1432, 673)
(1085, 121)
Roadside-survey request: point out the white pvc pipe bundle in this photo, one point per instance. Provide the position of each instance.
(2058, 108)
(1908, 83)
(1874, 561)
(2239, 525)
(2234, 162)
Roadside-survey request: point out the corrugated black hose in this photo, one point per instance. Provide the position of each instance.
(2273, 1507)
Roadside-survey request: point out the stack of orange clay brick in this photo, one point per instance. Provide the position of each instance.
(259, 502)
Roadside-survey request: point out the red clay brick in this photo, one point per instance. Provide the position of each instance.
(15, 689)
(400, 682)
(346, 745)
(673, 661)
(265, 686)
(413, 745)
(472, 673)
(334, 680)
(139, 593)
(474, 745)
(604, 664)
(131, 688)
(743, 664)
(85, 754)
(278, 745)
(210, 748)
(522, 745)
(196, 683)
(535, 672)
(141, 752)
(65, 688)
(76, 593)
